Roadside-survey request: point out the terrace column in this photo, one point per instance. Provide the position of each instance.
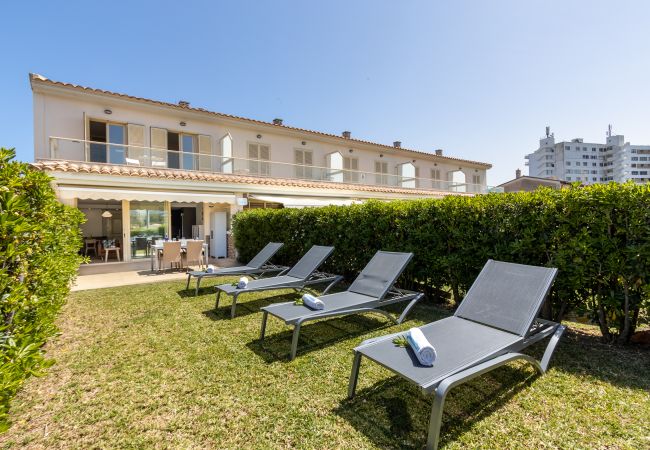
(126, 230)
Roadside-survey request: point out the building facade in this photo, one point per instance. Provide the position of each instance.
(589, 163)
(140, 168)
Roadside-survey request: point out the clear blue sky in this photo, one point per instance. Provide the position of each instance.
(480, 79)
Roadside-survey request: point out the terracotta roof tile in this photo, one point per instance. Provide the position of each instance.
(36, 78)
(144, 172)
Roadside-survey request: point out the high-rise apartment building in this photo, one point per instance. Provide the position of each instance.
(589, 163)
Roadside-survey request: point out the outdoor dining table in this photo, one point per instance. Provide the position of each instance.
(156, 249)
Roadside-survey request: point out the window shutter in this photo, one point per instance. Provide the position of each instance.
(159, 138)
(417, 177)
(308, 158)
(377, 167)
(135, 137)
(265, 155)
(158, 141)
(226, 154)
(354, 164)
(297, 157)
(205, 152)
(346, 163)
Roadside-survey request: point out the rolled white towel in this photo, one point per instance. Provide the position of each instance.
(243, 282)
(422, 348)
(312, 302)
(210, 269)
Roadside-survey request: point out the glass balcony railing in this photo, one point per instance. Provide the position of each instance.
(136, 156)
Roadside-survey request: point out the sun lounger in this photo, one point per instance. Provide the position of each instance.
(372, 290)
(495, 321)
(303, 274)
(257, 267)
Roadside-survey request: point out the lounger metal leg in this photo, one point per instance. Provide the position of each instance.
(447, 384)
(294, 340)
(187, 286)
(550, 348)
(409, 307)
(234, 306)
(332, 284)
(265, 316)
(354, 376)
(198, 283)
(216, 303)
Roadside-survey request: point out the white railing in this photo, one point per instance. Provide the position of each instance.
(137, 156)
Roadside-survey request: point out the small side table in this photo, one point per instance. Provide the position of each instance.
(107, 250)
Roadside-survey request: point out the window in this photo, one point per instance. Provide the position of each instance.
(174, 146)
(188, 147)
(303, 160)
(568, 163)
(584, 163)
(381, 172)
(476, 179)
(567, 147)
(259, 156)
(436, 182)
(568, 171)
(407, 175)
(350, 169)
(111, 133)
(593, 149)
(568, 178)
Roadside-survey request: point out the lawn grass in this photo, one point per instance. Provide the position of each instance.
(149, 366)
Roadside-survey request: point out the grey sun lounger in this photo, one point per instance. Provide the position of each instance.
(301, 275)
(370, 291)
(257, 267)
(494, 322)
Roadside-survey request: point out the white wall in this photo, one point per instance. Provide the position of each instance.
(62, 115)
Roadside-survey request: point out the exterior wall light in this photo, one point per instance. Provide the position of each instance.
(182, 124)
(108, 111)
(259, 136)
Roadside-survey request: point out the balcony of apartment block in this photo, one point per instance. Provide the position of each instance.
(83, 151)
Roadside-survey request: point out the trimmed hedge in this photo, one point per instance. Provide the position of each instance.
(39, 243)
(598, 237)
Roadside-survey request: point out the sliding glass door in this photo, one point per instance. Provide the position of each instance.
(148, 223)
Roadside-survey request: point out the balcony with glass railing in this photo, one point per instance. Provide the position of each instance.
(78, 150)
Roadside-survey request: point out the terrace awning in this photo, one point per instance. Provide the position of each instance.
(91, 193)
(303, 202)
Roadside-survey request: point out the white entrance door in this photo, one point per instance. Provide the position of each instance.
(218, 240)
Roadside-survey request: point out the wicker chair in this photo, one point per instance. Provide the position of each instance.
(171, 255)
(194, 253)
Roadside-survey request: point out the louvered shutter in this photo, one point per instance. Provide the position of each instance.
(158, 141)
(265, 155)
(205, 152)
(135, 137)
(298, 160)
(417, 177)
(309, 162)
(253, 156)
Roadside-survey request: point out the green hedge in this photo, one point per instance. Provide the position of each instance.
(39, 243)
(598, 237)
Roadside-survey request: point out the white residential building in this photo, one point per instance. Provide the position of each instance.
(140, 168)
(588, 163)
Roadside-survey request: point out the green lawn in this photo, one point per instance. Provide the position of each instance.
(148, 366)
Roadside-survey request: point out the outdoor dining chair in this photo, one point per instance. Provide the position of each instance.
(171, 254)
(193, 253)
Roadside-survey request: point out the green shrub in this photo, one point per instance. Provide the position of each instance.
(39, 243)
(598, 237)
